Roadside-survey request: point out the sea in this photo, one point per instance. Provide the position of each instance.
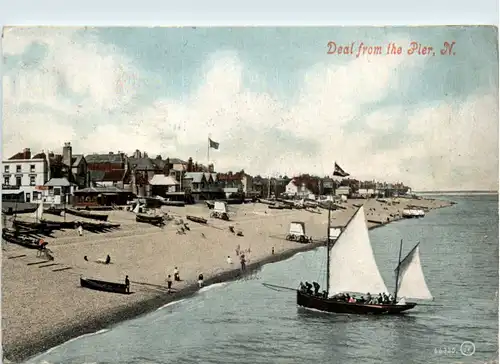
(247, 322)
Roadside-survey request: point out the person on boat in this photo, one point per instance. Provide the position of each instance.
(176, 274)
(316, 288)
(302, 287)
(379, 298)
(308, 288)
(108, 259)
(169, 283)
(200, 280)
(391, 298)
(362, 299)
(325, 294)
(127, 284)
(368, 297)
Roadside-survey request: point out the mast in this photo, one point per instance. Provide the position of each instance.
(397, 271)
(328, 252)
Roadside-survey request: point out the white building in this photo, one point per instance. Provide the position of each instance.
(294, 189)
(24, 173)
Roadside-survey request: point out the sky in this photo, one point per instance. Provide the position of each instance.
(273, 98)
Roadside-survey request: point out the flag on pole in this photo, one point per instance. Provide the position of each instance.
(213, 144)
(339, 171)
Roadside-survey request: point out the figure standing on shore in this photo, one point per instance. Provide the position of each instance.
(200, 280)
(229, 260)
(169, 283)
(80, 229)
(176, 274)
(238, 250)
(243, 263)
(127, 284)
(272, 251)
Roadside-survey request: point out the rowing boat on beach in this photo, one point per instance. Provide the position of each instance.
(27, 242)
(87, 214)
(104, 286)
(149, 219)
(197, 219)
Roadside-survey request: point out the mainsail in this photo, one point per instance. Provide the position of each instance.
(411, 280)
(352, 264)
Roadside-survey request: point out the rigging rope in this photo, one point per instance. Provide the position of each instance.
(277, 288)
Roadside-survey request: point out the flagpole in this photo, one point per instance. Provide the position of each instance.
(208, 151)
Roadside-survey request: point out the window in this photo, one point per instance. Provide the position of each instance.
(32, 168)
(18, 168)
(32, 180)
(6, 181)
(18, 181)
(6, 169)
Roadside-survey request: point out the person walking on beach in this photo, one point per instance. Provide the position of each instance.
(229, 260)
(80, 229)
(127, 284)
(176, 274)
(200, 280)
(169, 284)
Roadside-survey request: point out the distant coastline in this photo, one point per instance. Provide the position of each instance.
(457, 193)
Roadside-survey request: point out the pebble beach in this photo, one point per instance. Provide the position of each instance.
(43, 305)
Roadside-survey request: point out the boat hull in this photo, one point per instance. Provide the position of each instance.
(104, 286)
(153, 220)
(26, 242)
(87, 214)
(335, 306)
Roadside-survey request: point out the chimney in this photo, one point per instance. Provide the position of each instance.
(190, 165)
(166, 168)
(211, 168)
(137, 153)
(27, 153)
(67, 154)
(196, 167)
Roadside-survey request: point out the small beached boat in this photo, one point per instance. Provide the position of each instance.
(27, 242)
(54, 211)
(174, 203)
(104, 286)
(149, 219)
(197, 219)
(87, 214)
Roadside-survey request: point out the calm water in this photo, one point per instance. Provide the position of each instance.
(244, 322)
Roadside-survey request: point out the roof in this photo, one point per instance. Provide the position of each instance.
(76, 160)
(214, 176)
(103, 189)
(177, 161)
(58, 182)
(196, 176)
(142, 163)
(39, 156)
(207, 176)
(162, 180)
(104, 158)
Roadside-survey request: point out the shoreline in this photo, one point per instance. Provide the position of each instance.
(114, 316)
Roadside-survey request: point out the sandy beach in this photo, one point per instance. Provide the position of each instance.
(43, 306)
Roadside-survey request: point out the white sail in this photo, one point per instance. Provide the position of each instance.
(38, 212)
(411, 281)
(352, 264)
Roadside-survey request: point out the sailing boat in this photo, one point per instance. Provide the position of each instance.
(351, 268)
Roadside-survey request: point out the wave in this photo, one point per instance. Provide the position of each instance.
(170, 304)
(102, 331)
(212, 286)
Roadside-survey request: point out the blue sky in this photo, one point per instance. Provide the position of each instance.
(273, 98)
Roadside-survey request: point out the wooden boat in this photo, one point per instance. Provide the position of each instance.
(149, 219)
(14, 238)
(13, 211)
(276, 207)
(174, 203)
(54, 211)
(104, 285)
(87, 214)
(197, 219)
(40, 227)
(352, 269)
(267, 202)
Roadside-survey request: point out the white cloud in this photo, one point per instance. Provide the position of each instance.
(257, 132)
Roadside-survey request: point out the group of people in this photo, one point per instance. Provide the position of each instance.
(313, 290)
(308, 289)
(382, 298)
(177, 278)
